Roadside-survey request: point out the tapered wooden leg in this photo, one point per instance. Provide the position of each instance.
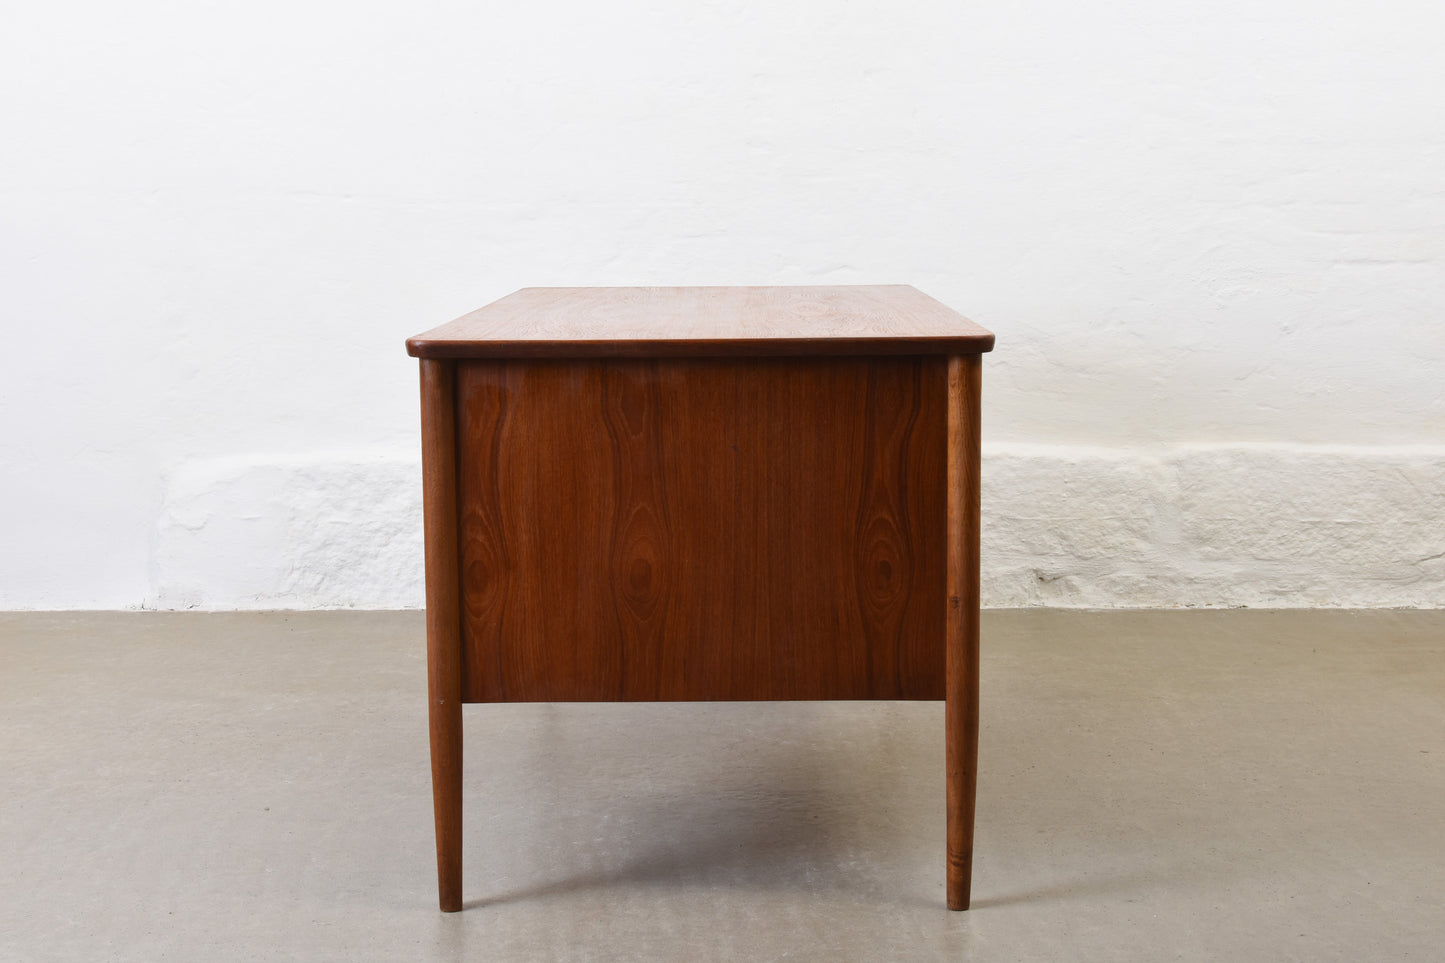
(446, 778)
(961, 691)
(443, 621)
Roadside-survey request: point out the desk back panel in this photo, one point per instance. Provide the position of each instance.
(702, 529)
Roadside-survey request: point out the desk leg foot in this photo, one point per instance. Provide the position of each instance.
(961, 684)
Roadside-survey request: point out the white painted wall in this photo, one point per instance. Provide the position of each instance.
(1210, 238)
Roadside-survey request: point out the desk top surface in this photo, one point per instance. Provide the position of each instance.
(892, 319)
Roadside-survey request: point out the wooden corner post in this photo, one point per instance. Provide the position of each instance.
(443, 620)
(961, 699)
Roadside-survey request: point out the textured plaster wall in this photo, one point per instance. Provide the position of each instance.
(1210, 238)
(1261, 525)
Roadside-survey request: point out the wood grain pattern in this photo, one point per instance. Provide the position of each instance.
(961, 709)
(706, 322)
(689, 529)
(443, 622)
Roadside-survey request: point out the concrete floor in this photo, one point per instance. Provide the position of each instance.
(1154, 786)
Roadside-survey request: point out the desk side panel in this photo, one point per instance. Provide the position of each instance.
(699, 529)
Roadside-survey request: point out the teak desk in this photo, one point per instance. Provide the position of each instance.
(683, 494)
